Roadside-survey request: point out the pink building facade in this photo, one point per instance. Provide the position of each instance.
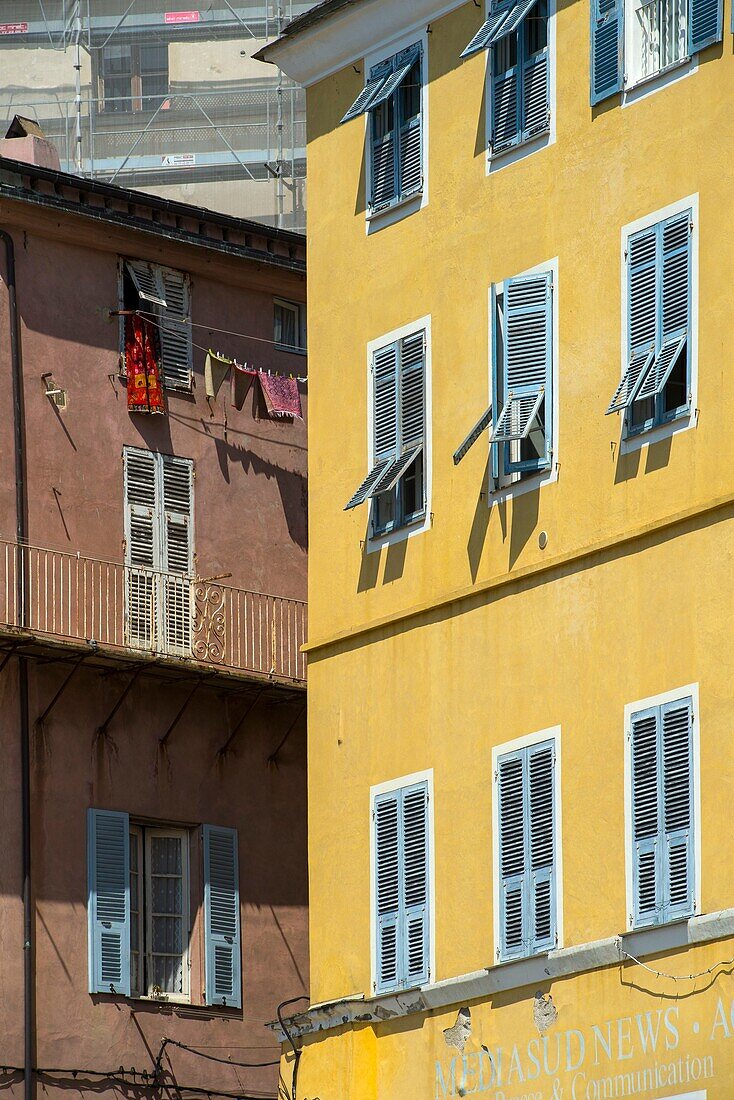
(153, 878)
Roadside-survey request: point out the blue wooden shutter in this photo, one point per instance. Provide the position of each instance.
(705, 23)
(607, 38)
(366, 97)
(498, 393)
(387, 889)
(488, 32)
(535, 95)
(415, 931)
(642, 314)
(410, 138)
(108, 905)
(646, 817)
(512, 856)
(674, 298)
(678, 846)
(222, 917)
(540, 785)
(384, 369)
(383, 145)
(505, 106)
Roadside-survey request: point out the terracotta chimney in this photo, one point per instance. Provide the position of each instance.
(25, 141)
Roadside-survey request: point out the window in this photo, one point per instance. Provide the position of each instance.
(656, 383)
(159, 551)
(516, 35)
(396, 481)
(659, 35)
(163, 295)
(526, 782)
(522, 432)
(133, 77)
(138, 910)
(401, 887)
(662, 795)
(392, 100)
(289, 325)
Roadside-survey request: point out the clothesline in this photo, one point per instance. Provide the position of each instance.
(222, 331)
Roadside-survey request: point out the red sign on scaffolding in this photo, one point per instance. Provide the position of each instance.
(13, 28)
(182, 17)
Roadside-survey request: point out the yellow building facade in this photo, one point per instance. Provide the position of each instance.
(520, 717)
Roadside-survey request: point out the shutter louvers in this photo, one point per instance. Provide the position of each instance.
(411, 169)
(505, 110)
(607, 37)
(383, 170)
(147, 281)
(527, 360)
(705, 23)
(542, 847)
(364, 100)
(487, 33)
(646, 817)
(391, 85)
(385, 408)
(176, 346)
(514, 18)
(536, 96)
(388, 878)
(177, 553)
(222, 917)
(108, 845)
(412, 390)
(142, 546)
(677, 757)
(415, 884)
(513, 917)
(641, 317)
(481, 425)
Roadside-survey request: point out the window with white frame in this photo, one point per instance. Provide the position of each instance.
(660, 740)
(516, 35)
(392, 99)
(289, 325)
(636, 40)
(164, 297)
(525, 792)
(656, 383)
(139, 909)
(401, 901)
(395, 484)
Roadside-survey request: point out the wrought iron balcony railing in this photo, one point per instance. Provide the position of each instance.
(69, 597)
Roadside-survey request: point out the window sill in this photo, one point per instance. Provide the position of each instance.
(501, 158)
(399, 208)
(414, 526)
(290, 350)
(647, 85)
(513, 485)
(641, 437)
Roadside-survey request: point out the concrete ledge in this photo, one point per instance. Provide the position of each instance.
(483, 984)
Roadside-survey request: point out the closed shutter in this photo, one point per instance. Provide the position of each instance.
(674, 280)
(176, 346)
(646, 817)
(536, 95)
(642, 311)
(108, 847)
(677, 758)
(506, 126)
(705, 23)
(142, 546)
(178, 552)
(402, 888)
(513, 867)
(607, 37)
(384, 421)
(222, 917)
(542, 931)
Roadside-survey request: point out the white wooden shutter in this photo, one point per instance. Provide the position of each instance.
(222, 917)
(142, 546)
(646, 817)
(540, 790)
(148, 281)
(176, 346)
(677, 759)
(108, 907)
(415, 931)
(178, 552)
(387, 887)
(513, 869)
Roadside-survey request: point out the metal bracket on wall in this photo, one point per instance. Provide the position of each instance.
(162, 740)
(248, 711)
(8, 655)
(102, 730)
(272, 760)
(38, 724)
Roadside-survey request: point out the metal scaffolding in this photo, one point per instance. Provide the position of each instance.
(162, 96)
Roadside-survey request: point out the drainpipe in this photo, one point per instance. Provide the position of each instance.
(22, 604)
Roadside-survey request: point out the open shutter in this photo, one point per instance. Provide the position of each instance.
(674, 280)
(108, 906)
(415, 884)
(222, 917)
(147, 281)
(642, 312)
(489, 31)
(705, 23)
(176, 346)
(607, 37)
(388, 889)
(178, 552)
(677, 760)
(512, 855)
(481, 425)
(541, 763)
(142, 546)
(646, 817)
(366, 97)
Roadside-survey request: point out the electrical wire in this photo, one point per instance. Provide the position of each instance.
(149, 315)
(213, 1057)
(122, 1077)
(675, 977)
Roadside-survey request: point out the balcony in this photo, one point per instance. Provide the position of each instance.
(124, 611)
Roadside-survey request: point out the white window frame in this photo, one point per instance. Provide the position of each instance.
(513, 485)
(553, 733)
(640, 87)
(635, 442)
(377, 541)
(299, 310)
(387, 788)
(690, 691)
(144, 833)
(401, 208)
(497, 161)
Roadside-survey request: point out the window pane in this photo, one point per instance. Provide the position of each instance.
(135, 982)
(536, 28)
(675, 394)
(165, 855)
(383, 118)
(166, 913)
(286, 325)
(410, 93)
(504, 54)
(153, 59)
(117, 60)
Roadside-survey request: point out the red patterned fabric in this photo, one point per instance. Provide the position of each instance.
(142, 362)
(281, 394)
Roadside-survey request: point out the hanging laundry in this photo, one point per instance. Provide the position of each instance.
(216, 369)
(281, 394)
(142, 364)
(242, 379)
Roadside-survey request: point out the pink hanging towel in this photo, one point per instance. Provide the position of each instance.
(281, 394)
